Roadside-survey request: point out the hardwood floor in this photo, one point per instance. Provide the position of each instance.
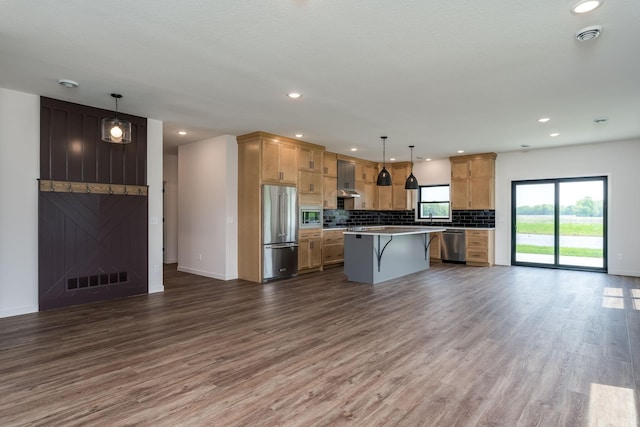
(453, 346)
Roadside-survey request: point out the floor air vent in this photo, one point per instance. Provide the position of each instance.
(86, 282)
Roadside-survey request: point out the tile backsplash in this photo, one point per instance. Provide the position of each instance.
(351, 218)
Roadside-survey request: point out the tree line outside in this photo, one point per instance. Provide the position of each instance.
(585, 207)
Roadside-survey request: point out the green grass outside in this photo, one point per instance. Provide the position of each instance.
(548, 250)
(566, 229)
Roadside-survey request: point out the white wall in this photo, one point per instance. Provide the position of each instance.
(434, 172)
(170, 172)
(19, 170)
(154, 181)
(617, 160)
(207, 207)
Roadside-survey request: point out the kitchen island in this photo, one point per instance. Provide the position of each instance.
(373, 256)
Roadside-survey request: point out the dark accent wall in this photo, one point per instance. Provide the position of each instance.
(460, 218)
(92, 247)
(71, 148)
(87, 244)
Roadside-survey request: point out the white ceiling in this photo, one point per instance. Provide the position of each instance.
(440, 75)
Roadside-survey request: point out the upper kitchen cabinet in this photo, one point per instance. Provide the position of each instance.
(473, 181)
(279, 161)
(330, 180)
(395, 197)
(330, 164)
(402, 199)
(310, 159)
(310, 180)
(365, 171)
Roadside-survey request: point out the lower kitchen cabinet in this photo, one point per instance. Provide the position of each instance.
(480, 247)
(332, 248)
(310, 250)
(434, 247)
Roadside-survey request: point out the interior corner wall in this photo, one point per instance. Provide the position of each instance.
(170, 176)
(616, 160)
(207, 207)
(19, 171)
(154, 181)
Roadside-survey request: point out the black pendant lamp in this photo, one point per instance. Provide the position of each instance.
(384, 177)
(412, 182)
(114, 130)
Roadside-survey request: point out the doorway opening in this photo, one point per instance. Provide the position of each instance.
(560, 223)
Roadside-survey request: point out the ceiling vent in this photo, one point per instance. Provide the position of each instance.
(588, 33)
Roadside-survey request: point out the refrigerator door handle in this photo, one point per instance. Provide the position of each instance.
(283, 246)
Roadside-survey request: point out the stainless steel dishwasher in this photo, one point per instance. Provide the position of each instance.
(453, 248)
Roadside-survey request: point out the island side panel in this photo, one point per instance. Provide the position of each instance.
(404, 255)
(359, 257)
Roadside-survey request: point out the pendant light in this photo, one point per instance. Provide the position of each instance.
(114, 130)
(412, 182)
(384, 177)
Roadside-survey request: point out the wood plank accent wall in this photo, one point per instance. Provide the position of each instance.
(71, 148)
(93, 208)
(92, 247)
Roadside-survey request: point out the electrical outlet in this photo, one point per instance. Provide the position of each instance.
(620, 257)
(156, 268)
(199, 257)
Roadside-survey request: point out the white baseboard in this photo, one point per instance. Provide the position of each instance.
(202, 273)
(16, 311)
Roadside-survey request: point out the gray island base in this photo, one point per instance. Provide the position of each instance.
(378, 255)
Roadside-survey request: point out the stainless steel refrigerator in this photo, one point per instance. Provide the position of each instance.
(279, 232)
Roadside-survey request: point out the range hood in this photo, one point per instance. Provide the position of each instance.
(347, 180)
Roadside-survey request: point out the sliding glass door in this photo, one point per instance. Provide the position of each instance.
(560, 223)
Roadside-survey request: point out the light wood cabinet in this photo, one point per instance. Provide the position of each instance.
(330, 164)
(434, 247)
(332, 247)
(330, 180)
(309, 182)
(473, 181)
(395, 197)
(310, 159)
(402, 198)
(480, 247)
(365, 171)
(310, 250)
(279, 162)
(367, 199)
(329, 192)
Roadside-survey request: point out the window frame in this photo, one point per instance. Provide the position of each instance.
(419, 204)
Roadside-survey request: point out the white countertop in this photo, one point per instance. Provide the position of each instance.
(396, 231)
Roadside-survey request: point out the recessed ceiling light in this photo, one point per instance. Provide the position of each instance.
(393, 159)
(585, 6)
(544, 119)
(427, 160)
(68, 83)
(182, 132)
(354, 149)
(600, 119)
(299, 135)
(554, 134)
(294, 95)
(460, 151)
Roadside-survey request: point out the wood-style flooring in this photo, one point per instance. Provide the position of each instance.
(452, 346)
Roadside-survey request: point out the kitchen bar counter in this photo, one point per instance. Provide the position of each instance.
(373, 256)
